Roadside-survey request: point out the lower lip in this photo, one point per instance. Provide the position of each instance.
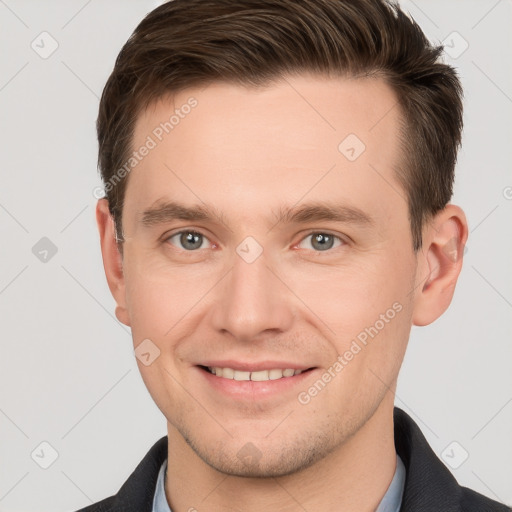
(254, 390)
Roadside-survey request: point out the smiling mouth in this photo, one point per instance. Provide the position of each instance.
(259, 376)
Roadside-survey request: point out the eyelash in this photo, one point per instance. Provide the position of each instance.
(317, 232)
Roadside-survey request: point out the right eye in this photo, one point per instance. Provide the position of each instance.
(188, 240)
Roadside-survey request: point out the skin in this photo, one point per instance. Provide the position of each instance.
(249, 152)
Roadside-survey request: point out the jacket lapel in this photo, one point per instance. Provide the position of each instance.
(423, 471)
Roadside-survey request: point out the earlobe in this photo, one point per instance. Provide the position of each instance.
(112, 259)
(439, 264)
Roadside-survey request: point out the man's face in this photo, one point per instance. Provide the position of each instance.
(249, 292)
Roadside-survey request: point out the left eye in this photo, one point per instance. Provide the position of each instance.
(322, 241)
(189, 240)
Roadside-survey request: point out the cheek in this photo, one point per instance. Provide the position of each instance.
(365, 312)
(349, 298)
(160, 296)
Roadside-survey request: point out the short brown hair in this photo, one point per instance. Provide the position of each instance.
(186, 43)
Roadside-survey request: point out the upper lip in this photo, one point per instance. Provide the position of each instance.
(252, 366)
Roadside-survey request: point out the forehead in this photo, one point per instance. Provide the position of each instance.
(313, 107)
(238, 146)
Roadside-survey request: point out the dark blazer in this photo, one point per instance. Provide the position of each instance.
(429, 485)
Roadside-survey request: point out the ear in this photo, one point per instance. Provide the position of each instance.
(112, 259)
(439, 264)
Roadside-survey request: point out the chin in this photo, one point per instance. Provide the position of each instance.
(253, 460)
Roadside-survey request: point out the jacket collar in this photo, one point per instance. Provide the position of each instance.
(429, 485)
(136, 494)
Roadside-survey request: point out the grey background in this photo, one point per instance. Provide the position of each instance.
(67, 371)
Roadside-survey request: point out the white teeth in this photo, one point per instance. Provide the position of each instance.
(259, 376)
(227, 373)
(275, 374)
(239, 375)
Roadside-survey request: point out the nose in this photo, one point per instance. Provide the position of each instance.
(252, 301)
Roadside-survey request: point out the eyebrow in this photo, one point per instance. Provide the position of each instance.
(310, 212)
(170, 210)
(313, 212)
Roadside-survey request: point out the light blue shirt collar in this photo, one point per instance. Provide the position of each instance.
(390, 502)
(160, 501)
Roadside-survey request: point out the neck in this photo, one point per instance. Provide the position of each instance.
(355, 476)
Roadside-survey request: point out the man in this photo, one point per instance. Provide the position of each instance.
(277, 217)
